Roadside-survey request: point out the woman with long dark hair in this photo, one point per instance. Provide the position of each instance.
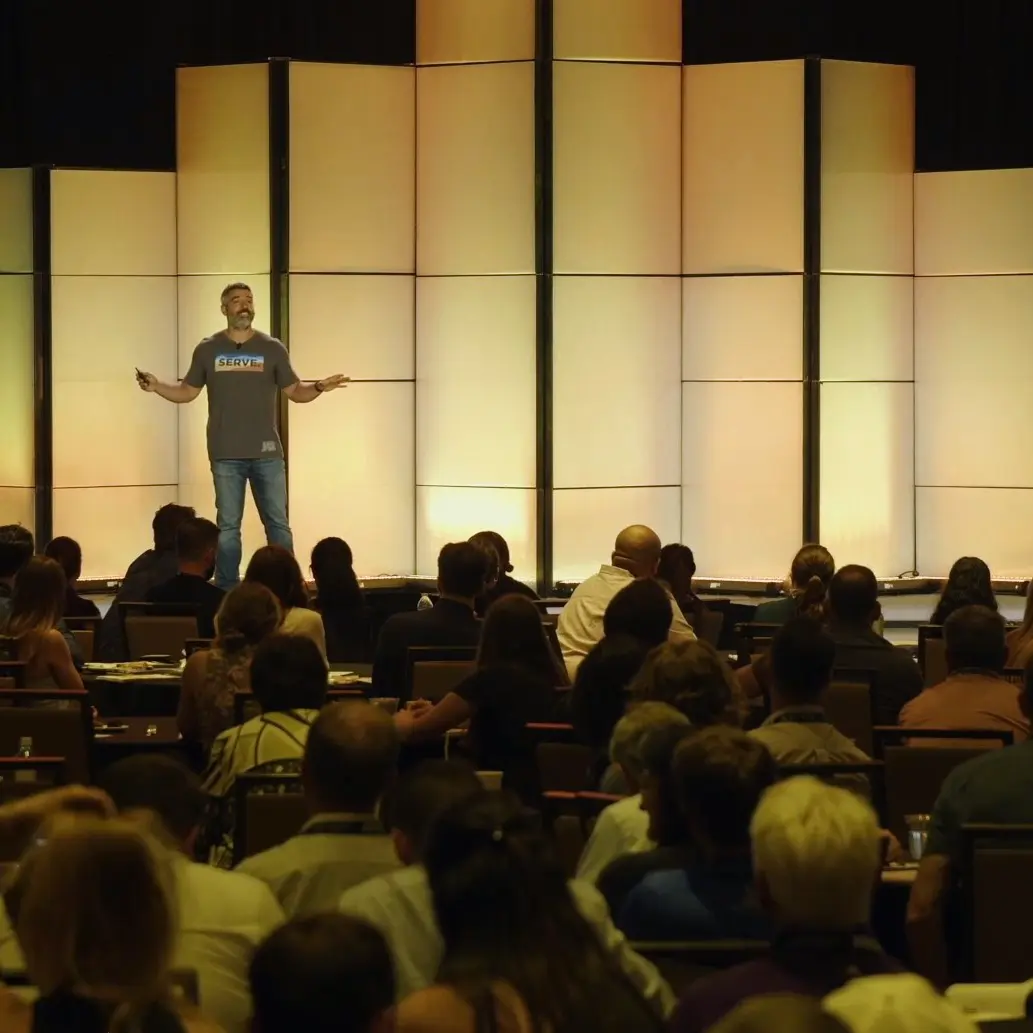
(518, 953)
(340, 602)
(277, 569)
(515, 682)
(968, 584)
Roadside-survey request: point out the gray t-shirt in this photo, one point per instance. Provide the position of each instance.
(242, 382)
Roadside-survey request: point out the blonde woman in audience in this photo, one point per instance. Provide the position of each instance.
(249, 614)
(277, 569)
(93, 910)
(35, 611)
(1020, 640)
(518, 954)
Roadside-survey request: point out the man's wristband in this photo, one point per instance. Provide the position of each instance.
(319, 387)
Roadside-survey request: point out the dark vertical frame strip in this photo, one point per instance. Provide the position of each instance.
(42, 344)
(280, 225)
(543, 284)
(812, 300)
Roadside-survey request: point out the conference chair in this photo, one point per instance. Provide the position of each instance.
(245, 706)
(432, 672)
(158, 629)
(59, 723)
(85, 631)
(267, 811)
(932, 654)
(849, 707)
(682, 963)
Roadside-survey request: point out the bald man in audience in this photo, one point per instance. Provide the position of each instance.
(350, 759)
(636, 555)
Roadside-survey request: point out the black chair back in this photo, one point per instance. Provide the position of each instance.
(683, 963)
(932, 654)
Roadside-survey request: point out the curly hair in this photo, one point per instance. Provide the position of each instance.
(968, 584)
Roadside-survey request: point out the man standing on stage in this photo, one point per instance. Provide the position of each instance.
(242, 369)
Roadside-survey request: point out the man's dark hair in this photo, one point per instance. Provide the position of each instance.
(323, 973)
(160, 784)
(423, 793)
(68, 553)
(720, 774)
(462, 570)
(853, 595)
(230, 288)
(802, 658)
(351, 756)
(288, 673)
(974, 636)
(16, 548)
(195, 537)
(641, 610)
(166, 523)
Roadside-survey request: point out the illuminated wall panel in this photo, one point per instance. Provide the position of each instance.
(618, 30)
(742, 327)
(973, 355)
(587, 522)
(867, 475)
(742, 167)
(475, 169)
(968, 223)
(453, 514)
(16, 382)
(351, 463)
(867, 167)
(18, 506)
(475, 405)
(16, 220)
(742, 476)
(616, 369)
(457, 31)
(222, 162)
(616, 172)
(352, 181)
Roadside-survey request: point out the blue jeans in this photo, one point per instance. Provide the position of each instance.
(268, 479)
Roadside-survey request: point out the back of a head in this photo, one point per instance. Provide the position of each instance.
(39, 597)
(462, 570)
(635, 728)
(512, 635)
(969, 583)
(334, 573)
(196, 539)
(641, 610)
(323, 973)
(802, 658)
(277, 569)
(166, 523)
(637, 550)
(350, 756)
(288, 673)
(68, 554)
(720, 775)
(248, 614)
(899, 1003)
(492, 560)
(676, 562)
(501, 548)
(853, 595)
(423, 793)
(602, 686)
(816, 850)
(16, 548)
(159, 784)
(812, 561)
(780, 1013)
(974, 637)
(691, 677)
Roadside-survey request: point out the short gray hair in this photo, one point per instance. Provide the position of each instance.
(634, 729)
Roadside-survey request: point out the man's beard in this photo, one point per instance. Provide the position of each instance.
(242, 321)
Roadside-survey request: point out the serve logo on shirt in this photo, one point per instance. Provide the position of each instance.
(239, 362)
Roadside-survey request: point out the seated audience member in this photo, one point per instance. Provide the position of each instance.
(636, 555)
(853, 609)
(623, 827)
(798, 731)
(249, 614)
(974, 694)
(995, 788)
(450, 622)
(666, 837)
(816, 859)
(505, 585)
(969, 583)
(196, 542)
(277, 569)
(400, 904)
(719, 775)
(806, 587)
(323, 973)
(32, 617)
(150, 568)
(69, 555)
(492, 571)
(490, 867)
(350, 759)
(339, 602)
(676, 570)
(1020, 639)
(903, 1003)
(780, 1013)
(92, 906)
(515, 682)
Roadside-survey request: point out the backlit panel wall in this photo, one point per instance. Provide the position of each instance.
(616, 361)
(618, 30)
(742, 316)
(17, 473)
(222, 224)
(352, 295)
(867, 314)
(475, 287)
(113, 308)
